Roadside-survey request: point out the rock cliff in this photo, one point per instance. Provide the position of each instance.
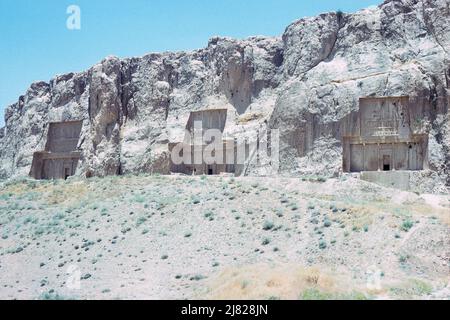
(307, 83)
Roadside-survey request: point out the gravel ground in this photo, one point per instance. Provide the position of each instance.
(176, 237)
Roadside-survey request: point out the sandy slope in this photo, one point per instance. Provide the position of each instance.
(219, 237)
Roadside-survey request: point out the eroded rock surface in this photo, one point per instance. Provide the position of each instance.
(307, 83)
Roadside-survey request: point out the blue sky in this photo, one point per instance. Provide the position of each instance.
(35, 43)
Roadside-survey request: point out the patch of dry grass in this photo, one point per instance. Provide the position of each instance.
(411, 289)
(358, 217)
(67, 193)
(426, 210)
(273, 282)
(20, 187)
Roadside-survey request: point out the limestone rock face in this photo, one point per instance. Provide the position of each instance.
(398, 49)
(306, 83)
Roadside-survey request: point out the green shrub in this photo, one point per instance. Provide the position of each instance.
(39, 231)
(421, 288)
(141, 220)
(209, 215)
(315, 294)
(139, 199)
(407, 225)
(322, 244)
(197, 277)
(51, 295)
(268, 225)
(19, 249)
(279, 213)
(412, 288)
